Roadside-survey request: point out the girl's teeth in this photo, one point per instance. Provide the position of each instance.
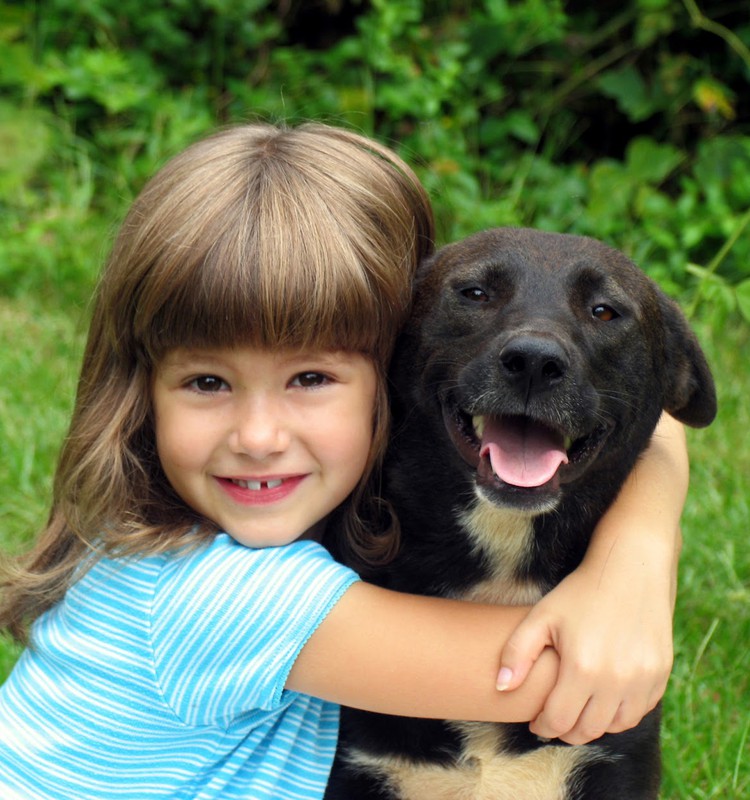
(256, 486)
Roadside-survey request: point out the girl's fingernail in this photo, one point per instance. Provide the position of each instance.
(503, 679)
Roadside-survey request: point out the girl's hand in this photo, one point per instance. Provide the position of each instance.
(613, 632)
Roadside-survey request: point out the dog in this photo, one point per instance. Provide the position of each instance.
(528, 380)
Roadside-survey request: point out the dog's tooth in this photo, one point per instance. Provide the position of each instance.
(478, 423)
(567, 443)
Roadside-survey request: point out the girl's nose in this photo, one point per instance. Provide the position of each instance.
(259, 431)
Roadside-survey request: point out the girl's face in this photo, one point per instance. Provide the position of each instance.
(264, 443)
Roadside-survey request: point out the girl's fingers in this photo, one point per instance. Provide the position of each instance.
(522, 649)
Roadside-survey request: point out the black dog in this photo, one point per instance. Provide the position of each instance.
(529, 379)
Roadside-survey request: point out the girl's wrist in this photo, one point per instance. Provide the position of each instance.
(637, 553)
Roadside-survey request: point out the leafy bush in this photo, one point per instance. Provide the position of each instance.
(627, 121)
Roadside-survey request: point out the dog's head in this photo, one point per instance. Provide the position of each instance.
(547, 358)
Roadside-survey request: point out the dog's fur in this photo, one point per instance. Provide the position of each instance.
(559, 341)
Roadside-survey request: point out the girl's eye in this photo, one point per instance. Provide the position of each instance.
(475, 294)
(208, 384)
(309, 380)
(604, 312)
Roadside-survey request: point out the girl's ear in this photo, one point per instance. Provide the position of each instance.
(690, 394)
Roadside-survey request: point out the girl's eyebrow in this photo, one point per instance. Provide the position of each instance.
(184, 359)
(317, 356)
(332, 360)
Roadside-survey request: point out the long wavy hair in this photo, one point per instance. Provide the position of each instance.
(259, 235)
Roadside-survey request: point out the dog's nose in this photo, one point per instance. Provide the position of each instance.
(534, 362)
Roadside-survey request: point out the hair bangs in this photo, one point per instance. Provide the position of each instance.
(268, 281)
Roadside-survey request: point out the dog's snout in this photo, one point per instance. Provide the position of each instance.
(535, 362)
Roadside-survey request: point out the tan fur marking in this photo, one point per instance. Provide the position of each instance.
(503, 537)
(482, 773)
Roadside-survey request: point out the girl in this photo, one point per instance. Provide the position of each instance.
(191, 637)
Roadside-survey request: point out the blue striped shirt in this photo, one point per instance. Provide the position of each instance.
(164, 677)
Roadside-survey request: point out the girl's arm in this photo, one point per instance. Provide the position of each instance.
(403, 654)
(610, 621)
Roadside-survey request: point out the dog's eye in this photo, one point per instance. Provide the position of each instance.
(476, 294)
(604, 312)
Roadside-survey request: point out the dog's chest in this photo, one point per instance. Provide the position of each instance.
(484, 768)
(482, 771)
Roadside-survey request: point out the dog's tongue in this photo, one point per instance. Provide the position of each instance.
(522, 452)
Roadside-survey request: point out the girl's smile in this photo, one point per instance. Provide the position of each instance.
(264, 444)
(258, 491)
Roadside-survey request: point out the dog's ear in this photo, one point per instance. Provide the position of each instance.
(690, 394)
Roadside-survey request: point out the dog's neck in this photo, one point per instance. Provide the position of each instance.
(505, 541)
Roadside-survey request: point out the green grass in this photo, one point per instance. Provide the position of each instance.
(706, 726)
(705, 712)
(39, 359)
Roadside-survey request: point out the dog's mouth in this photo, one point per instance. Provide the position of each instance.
(520, 453)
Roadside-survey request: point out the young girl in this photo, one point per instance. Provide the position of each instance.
(191, 637)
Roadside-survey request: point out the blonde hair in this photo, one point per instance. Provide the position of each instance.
(260, 235)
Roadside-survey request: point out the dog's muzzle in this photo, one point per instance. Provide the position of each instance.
(520, 461)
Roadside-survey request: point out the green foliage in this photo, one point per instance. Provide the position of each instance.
(627, 121)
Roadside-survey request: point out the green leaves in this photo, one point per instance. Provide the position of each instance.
(24, 142)
(633, 95)
(110, 78)
(625, 125)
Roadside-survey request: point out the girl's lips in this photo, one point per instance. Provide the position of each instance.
(259, 491)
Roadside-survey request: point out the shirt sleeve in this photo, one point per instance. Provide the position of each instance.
(229, 621)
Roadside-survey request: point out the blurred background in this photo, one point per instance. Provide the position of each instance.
(628, 121)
